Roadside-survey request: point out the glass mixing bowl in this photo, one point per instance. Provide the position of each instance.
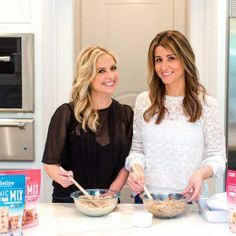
(101, 203)
(165, 204)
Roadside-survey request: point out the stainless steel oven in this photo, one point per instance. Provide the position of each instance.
(17, 139)
(16, 97)
(16, 73)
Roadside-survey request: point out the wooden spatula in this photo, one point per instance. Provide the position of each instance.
(78, 185)
(144, 187)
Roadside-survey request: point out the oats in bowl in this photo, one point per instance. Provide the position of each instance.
(165, 205)
(100, 204)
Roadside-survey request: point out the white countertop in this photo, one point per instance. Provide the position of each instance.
(65, 220)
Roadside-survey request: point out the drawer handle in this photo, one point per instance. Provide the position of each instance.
(5, 58)
(20, 125)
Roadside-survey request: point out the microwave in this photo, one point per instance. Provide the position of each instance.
(16, 72)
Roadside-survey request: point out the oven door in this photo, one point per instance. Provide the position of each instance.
(16, 73)
(16, 139)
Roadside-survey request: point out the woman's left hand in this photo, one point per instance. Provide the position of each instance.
(194, 187)
(109, 194)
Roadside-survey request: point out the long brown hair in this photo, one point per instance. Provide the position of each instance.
(179, 45)
(81, 92)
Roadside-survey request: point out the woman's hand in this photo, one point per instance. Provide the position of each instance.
(194, 187)
(136, 180)
(109, 194)
(64, 177)
(58, 174)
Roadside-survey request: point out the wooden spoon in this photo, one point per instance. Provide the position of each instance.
(78, 185)
(144, 187)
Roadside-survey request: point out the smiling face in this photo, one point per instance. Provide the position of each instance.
(169, 68)
(106, 78)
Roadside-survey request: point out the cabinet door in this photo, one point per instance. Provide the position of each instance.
(127, 27)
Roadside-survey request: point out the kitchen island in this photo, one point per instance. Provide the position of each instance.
(65, 220)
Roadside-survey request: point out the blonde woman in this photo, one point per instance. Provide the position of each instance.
(178, 140)
(89, 137)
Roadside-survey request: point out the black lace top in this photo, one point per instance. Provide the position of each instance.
(94, 158)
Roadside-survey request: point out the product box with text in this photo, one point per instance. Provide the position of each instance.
(12, 202)
(32, 193)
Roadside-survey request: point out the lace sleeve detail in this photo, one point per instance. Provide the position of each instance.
(136, 155)
(214, 140)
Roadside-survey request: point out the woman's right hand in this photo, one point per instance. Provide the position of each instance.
(136, 179)
(64, 177)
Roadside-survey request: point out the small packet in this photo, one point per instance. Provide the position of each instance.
(231, 198)
(231, 188)
(232, 221)
(12, 201)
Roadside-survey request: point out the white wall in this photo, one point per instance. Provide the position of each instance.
(208, 37)
(52, 23)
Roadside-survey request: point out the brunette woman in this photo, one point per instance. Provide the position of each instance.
(178, 139)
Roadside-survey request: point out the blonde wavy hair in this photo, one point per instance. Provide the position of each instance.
(81, 91)
(179, 45)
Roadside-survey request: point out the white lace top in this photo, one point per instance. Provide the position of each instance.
(171, 151)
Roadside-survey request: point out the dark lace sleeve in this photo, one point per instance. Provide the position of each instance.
(56, 143)
(129, 132)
